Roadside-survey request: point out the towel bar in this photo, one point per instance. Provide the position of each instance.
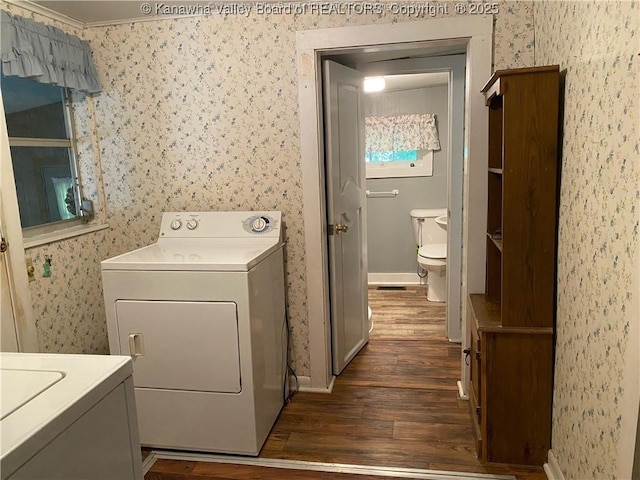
(392, 193)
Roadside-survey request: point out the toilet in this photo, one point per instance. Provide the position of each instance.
(431, 240)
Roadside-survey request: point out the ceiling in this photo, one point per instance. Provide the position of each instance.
(112, 11)
(415, 80)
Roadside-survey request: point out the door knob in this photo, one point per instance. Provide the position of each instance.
(341, 228)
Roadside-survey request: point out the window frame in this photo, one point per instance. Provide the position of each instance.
(423, 167)
(70, 143)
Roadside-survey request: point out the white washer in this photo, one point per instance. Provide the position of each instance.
(202, 313)
(69, 417)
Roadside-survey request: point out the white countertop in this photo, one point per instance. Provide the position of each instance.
(43, 394)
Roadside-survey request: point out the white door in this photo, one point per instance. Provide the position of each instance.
(8, 334)
(346, 201)
(18, 323)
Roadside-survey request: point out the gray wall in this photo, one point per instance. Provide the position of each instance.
(390, 242)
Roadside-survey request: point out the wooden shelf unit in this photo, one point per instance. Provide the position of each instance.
(512, 323)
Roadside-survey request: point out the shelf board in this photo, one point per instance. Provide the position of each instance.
(496, 241)
(497, 171)
(486, 311)
(488, 317)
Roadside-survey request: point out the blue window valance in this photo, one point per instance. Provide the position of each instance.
(46, 54)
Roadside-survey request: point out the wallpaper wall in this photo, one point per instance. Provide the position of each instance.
(198, 114)
(596, 43)
(201, 114)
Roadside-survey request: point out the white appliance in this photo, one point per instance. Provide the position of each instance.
(69, 417)
(202, 314)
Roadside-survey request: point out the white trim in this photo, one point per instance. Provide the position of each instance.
(474, 216)
(46, 12)
(148, 462)
(393, 278)
(62, 234)
(24, 318)
(391, 472)
(150, 18)
(476, 33)
(462, 395)
(39, 142)
(630, 402)
(304, 385)
(552, 468)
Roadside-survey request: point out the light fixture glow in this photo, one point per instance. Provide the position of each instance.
(374, 84)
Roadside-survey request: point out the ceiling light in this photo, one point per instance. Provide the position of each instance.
(374, 84)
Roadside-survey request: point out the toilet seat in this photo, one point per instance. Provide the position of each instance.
(434, 255)
(437, 250)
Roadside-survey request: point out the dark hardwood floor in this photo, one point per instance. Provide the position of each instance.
(395, 405)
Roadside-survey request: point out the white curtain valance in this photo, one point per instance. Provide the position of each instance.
(401, 133)
(46, 54)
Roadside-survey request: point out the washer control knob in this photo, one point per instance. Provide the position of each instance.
(192, 224)
(260, 224)
(176, 224)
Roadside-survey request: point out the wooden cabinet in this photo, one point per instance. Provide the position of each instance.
(512, 324)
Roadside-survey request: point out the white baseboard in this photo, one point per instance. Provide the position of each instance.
(393, 279)
(304, 385)
(461, 394)
(552, 468)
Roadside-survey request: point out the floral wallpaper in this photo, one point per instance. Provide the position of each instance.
(596, 43)
(197, 113)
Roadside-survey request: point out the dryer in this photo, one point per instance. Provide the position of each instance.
(202, 314)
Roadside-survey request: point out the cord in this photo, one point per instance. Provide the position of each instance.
(288, 368)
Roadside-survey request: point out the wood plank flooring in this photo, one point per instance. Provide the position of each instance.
(395, 405)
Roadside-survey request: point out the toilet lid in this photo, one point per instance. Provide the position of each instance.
(437, 250)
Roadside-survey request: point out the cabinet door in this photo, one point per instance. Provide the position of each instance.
(476, 388)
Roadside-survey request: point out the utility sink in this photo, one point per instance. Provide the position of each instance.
(442, 221)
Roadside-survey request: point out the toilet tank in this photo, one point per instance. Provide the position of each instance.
(431, 232)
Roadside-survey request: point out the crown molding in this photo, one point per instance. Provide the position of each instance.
(152, 18)
(46, 12)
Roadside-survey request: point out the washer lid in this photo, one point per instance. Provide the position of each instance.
(204, 254)
(69, 385)
(436, 250)
(20, 386)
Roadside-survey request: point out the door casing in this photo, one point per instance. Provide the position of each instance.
(475, 34)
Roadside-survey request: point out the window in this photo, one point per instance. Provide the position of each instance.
(42, 153)
(399, 163)
(400, 145)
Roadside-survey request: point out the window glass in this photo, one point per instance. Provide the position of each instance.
(44, 183)
(42, 152)
(396, 156)
(33, 110)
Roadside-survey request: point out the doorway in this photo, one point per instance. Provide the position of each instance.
(413, 160)
(471, 34)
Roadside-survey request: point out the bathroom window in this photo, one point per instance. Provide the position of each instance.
(401, 163)
(400, 145)
(42, 153)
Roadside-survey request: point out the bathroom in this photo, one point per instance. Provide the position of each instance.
(391, 242)
(395, 197)
(143, 153)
